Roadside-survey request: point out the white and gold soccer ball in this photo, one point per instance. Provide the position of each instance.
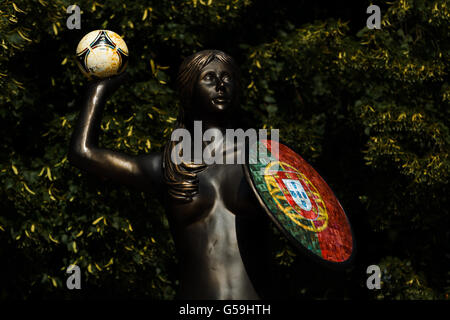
(101, 54)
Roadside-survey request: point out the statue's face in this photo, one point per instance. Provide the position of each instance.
(214, 90)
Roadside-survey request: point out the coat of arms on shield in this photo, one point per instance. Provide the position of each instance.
(297, 193)
(296, 196)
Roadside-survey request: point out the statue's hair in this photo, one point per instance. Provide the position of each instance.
(182, 180)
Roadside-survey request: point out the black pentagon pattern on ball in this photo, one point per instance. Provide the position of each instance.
(102, 39)
(123, 59)
(82, 59)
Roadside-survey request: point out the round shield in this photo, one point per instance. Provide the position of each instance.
(300, 202)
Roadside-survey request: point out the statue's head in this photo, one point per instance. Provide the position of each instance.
(208, 83)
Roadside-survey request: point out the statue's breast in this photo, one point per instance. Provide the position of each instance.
(236, 193)
(220, 186)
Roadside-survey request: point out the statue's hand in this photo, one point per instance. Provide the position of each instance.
(110, 84)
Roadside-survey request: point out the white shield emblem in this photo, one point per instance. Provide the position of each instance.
(298, 193)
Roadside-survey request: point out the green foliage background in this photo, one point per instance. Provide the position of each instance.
(369, 109)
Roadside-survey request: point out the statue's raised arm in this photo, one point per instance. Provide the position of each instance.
(143, 172)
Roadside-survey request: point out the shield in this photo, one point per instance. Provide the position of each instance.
(300, 202)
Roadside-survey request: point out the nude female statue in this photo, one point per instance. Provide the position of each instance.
(220, 232)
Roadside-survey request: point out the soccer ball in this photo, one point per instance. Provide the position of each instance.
(101, 54)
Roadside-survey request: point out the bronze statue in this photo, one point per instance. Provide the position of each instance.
(219, 229)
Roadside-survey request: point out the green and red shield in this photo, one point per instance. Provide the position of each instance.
(300, 202)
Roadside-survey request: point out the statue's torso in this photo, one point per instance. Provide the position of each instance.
(210, 232)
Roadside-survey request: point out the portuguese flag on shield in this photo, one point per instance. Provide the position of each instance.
(299, 201)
